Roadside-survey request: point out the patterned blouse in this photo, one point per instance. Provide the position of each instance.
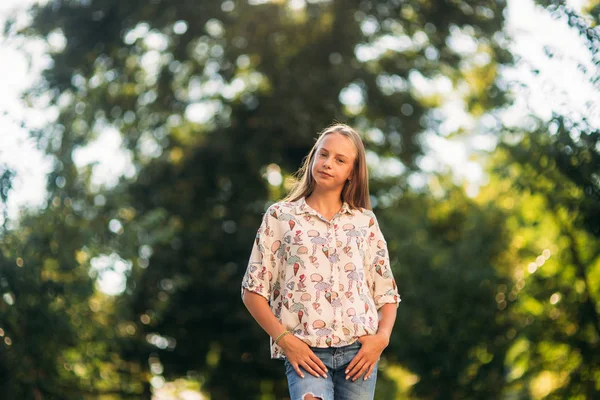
(324, 280)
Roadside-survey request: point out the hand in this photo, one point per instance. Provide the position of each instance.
(299, 355)
(367, 356)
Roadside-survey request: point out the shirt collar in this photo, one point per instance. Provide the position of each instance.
(303, 208)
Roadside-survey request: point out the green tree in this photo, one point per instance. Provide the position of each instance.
(453, 324)
(548, 182)
(556, 260)
(208, 98)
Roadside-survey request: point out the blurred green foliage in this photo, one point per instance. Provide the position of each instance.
(500, 292)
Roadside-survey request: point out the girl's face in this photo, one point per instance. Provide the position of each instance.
(334, 161)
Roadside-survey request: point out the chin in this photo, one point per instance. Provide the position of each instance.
(327, 185)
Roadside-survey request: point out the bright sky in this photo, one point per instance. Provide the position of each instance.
(531, 28)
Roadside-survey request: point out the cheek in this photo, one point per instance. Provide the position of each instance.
(348, 171)
(314, 165)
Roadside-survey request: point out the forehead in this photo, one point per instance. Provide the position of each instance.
(338, 143)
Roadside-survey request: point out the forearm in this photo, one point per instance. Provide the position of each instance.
(260, 310)
(387, 318)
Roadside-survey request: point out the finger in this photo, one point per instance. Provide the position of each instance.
(362, 371)
(352, 369)
(355, 373)
(316, 368)
(308, 368)
(355, 360)
(368, 374)
(319, 363)
(298, 371)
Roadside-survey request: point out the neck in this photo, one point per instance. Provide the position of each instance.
(326, 202)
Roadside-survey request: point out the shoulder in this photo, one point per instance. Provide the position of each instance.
(359, 217)
(366, 218)
(279, 209)
(367, 213)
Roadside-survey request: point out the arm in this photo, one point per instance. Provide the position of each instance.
(260, 277)
(387, 318)
(386, 298)
(297, 352)
(260, 310)
(373, 345)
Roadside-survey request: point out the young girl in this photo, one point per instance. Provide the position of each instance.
(319, 280)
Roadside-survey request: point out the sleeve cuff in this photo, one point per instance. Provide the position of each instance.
(249, 286)
(388, 299)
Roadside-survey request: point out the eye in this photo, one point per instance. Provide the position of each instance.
(340, 160)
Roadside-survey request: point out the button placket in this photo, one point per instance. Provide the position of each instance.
(331, 237)
(335, 276)
(332, 274)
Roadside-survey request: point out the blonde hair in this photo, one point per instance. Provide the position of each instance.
(355, 191)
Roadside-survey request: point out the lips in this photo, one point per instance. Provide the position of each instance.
(325, 174)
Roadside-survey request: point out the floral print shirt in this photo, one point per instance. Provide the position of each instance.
(324, 280)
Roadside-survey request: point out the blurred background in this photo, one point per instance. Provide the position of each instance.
(141, 142)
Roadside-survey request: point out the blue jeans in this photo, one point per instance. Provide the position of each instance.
(335, 386)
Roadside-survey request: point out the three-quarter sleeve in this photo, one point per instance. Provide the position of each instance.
(263, 266)
(384, 289)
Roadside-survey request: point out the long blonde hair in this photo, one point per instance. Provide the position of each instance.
(355, 191)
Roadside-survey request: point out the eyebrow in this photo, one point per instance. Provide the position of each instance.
(337, 154)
